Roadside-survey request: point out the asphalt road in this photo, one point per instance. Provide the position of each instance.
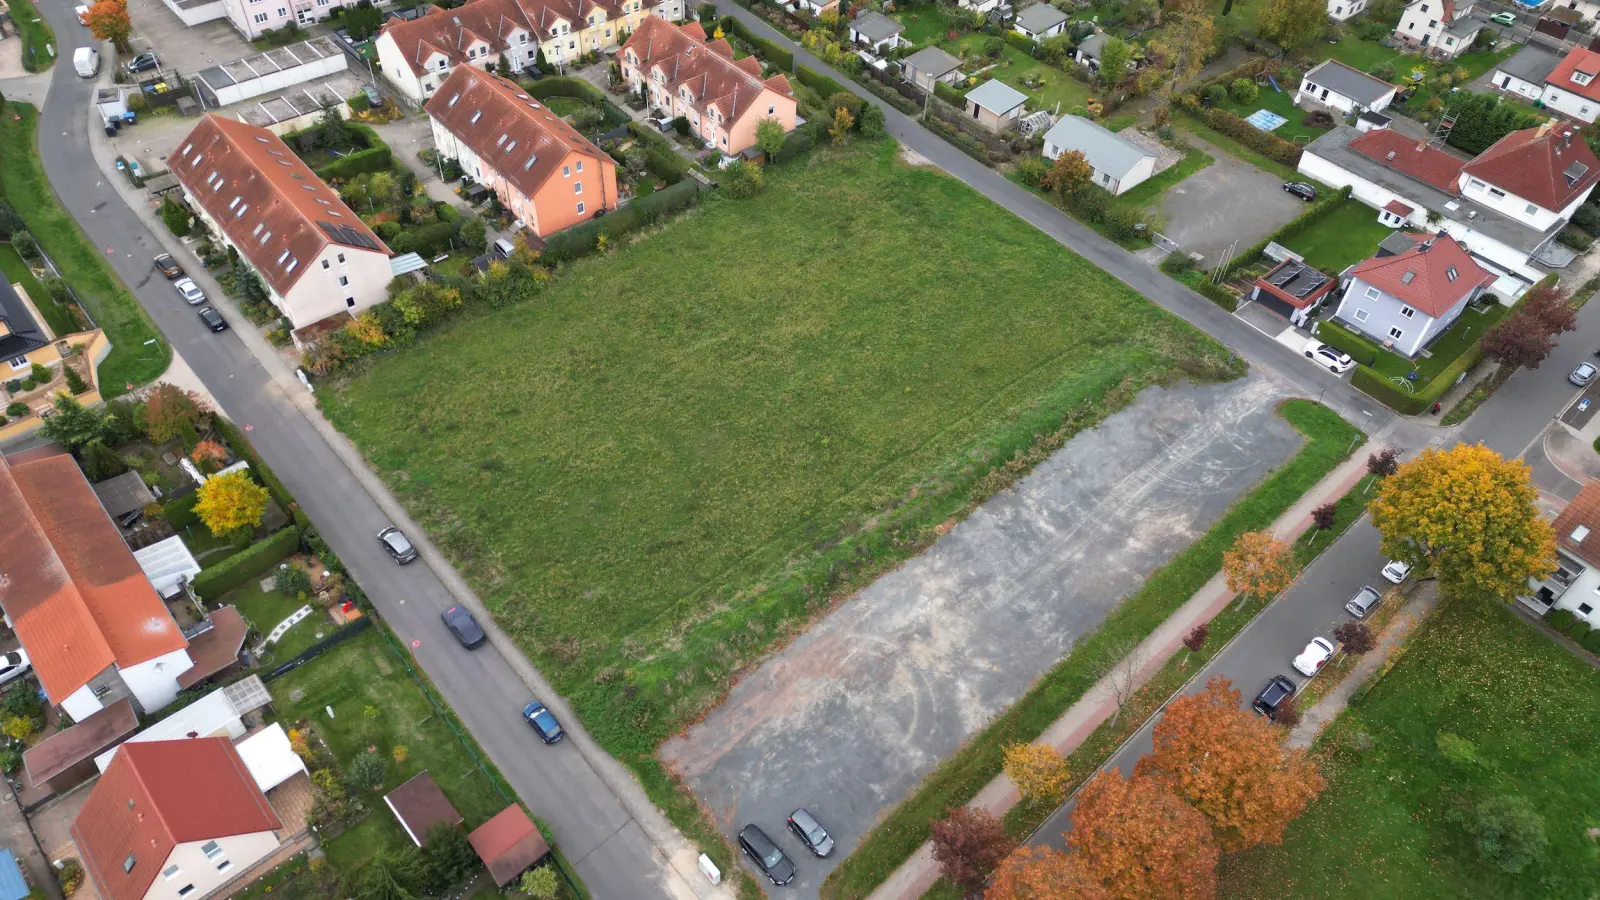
(609, 848)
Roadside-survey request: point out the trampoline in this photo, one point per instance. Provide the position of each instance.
(1265, 120)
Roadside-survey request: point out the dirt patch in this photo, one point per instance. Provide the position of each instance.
(912, 158)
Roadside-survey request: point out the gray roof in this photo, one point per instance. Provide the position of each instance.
(123, 494)
(1352, 83)
(875, 26)
(1465, 27)
(932, 61)
(1040, 17)
(1334, 147)
(1395, 244)
(1092, 45)
(1533, 63)
(1105, 150)
(24, 334)
(1376, 118)
(997, 97)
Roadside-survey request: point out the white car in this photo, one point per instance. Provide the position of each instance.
(1334, 360)
(190, 291)
(1396, 571)
(1312, 658)
(13, 664)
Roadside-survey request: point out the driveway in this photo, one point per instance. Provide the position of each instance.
(155, 27)
(851, 716)
(1226, 202)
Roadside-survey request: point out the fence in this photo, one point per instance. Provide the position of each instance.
(948, 114)
(320, 647)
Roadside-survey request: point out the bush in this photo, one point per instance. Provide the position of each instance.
(1336, 335)
(175, 216)
(427, 240)
(1577, 240)
(797, 144)
(1579, 630)
(1243, 90)
(377, 159)
(292, 580)
(1587, 217)
(582, 239)
(949, 95)
(1023, 42)
(822, 84)
(1031, 170)
(1177, 263)
(1510, 833)
(559, 86)
(180, 512)
(741, 180)
(365, 773)
(1216, 93)
(1591, 641)
(214, 581)
(17, 409)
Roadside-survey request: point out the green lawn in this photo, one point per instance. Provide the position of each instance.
(1281, 103)
(1233, 148)
(139, 354)
(1052, 86)
(1344, 237)
(36, 34)
(265, 609)
(1367, 55)
(17, 272)
(1194, 159)
(1464, 333)
(1382, 828)
(925, 24)
(565, 106)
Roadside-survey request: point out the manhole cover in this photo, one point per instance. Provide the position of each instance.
(296, 695)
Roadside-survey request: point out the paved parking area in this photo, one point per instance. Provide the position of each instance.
(853, 714)
(1227, 201)
(187, 49)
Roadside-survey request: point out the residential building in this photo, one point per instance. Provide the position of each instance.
(314, 255)
(1571, 88)
(1340, 10)
(1407, 300)
(1040, 22)
(1090, 49)
(876, 31)
(1338, 86)
(814, 7)
(1118, 163)
(547, 174)
(1439, 28)
(1506, 205)
(1575, 583)
(93, 627)
(983, 5)
(254, 18)
(219, 714)
(1293, 289)
(929, 66)
(995, 105)
(174, 819)
(1525, 72)
(684, 75)
(419, 54)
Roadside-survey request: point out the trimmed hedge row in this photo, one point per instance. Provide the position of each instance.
(662, 161)
(949, 95)
(562, 86)
(1023, 42)
(1251, 254)
(581, 239)
(377, 159)
(1272, 147)
(1361, 349)
(1372, 384)
(826, 87)
(771, 52)
(240, 568)
(180, 512)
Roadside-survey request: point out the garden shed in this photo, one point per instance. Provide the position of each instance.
(509, 844)
(420, 806)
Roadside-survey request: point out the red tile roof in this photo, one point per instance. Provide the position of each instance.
(1398, 208)
(1432, 276)
(1577, 60)
(76, 596)
(508, 844)
(1549, 165)
(1410, 157)
(156, 795)
(1289, 293)
(452, 31)
(707, 71)
(1584, 510)
(228, 166)
(518, 136)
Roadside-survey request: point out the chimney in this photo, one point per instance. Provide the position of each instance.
(1566, 139)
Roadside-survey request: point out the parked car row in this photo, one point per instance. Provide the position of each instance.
(770, 859)
(190, 292)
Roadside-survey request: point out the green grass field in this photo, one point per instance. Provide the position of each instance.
(678, 452)
(265, 609)
(1344, 237)
(1053, 86)
(1282, 104)
(36, 34)
(1382, 828)
(17, 272)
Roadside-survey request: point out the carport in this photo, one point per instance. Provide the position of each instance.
(272, 71)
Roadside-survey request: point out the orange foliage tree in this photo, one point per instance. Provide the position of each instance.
(1259, 565)
(108, 21)
(1041, 873)
(1141, 841)
(1231, 765)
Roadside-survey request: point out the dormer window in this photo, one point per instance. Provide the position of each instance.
(1582, 77)
(1450, 273)
(475, 117)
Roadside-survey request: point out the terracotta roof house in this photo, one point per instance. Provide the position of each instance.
(174, 819)
(1294, 289)
(547, 174)
(684, 75)
(508, 844)
(1443, 29)
(1576, 579)
(315, 256)
(1406, 300)
(1506, 206)
(420, 806)
(419, 54)
(94, 628)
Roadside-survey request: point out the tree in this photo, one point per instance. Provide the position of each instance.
(502, 66)
(230, 502)
(770, 137)
(1325, 515)
(292, 580)
(1510, 833)
(1383, 463)
(1471, 515)
(474, 234)
(1039, 771)
(208, 451)
(742, 179)
(1187, 40)
(1068, 173)
(842, 122)
(1114, 58)
(168, 409)
(1526, 337)
(1043, 873)
(391, 875)
(871, 123)
(108, 21)
(247, 284)
(1355, 638)
(1292, 24)
(1120, 673)
(1196, 638)
(448, 859)
(75, 426)
(1227, 762)
(174, 216)
(1141, 841)
(968, 844)
(1287, 715)
(366, 772)
(1259, 565)
(540, 883)
(101, 462)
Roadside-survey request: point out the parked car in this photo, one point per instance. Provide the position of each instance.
(1279, 689)
(1331, 358)
(1363, 602)
(1312, 658)
(144, 62)
(663, 124)
(766, 855)
(213, 319)
(1396, 571)
(83, 14)
(169, 267)
(1582, 375)
(811, 833)
(13, 664)
(544, 722)
(397, 546)
(1504, 18)
(189, 291)
(464, 627)
(1302, 190)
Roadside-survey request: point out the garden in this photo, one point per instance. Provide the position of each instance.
(1348, 234)
(1466, 771)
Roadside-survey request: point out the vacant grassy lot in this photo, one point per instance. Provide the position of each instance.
(1045, 85)
(1342, 238)
(682, 450)
(1382, 829)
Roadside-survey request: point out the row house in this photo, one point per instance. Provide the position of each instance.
(254, 18)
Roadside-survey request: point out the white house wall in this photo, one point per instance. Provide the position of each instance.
(154, 682)
(398, 71)
(1527, 90)
(81, 704)
(1340, 10)
(235, 854)
(195, 15)
(1508, 204)
(277, 81)
(1570, 104)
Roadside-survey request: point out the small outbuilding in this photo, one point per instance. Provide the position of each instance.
(1118, 163)
(1040, 21)
(420, 807)
(995, 105)
(65, 759)
(509, 844)
(929, 66)
(876, 31)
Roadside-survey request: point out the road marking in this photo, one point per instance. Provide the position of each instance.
(415, 644)
(249, 428)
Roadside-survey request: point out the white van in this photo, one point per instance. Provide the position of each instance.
(86, 61)
(503, 248)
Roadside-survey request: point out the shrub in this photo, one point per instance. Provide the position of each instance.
(366, 772)
(681, 126)
(214, 581)
(1510, 833)
(822, 84)
(1336, 335)
(1243, 90)
(1216, 93)
(1177, 263)
(75, 383)
(797, 144)
(1561, 620)
(1031, 170)
(741, 180)
(293, 580)
(1576, 239)
(1456, 749)
(174, 216)
(1587, 217)
(1591, 641)
(1272, 147)
(40, 373)
(180, 511)
(17, 409)
(1578, 630)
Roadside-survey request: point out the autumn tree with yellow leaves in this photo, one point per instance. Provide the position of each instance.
(1259, 565)
(1140, 841)
(1039, 771)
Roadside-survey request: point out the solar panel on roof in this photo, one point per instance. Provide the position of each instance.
(1310, 286)
(1286, 276)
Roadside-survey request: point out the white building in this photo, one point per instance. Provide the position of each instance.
(1439, 28)
(876, 31)
(1525, 72)
(1340, 10)
(1575, 583)
(1040, 22)
(1119, 164)
(1338, 86)
(1571, 88)
(253, 18)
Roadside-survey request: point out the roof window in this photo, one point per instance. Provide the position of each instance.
(261, 140)
(511, 146)
(290, 267)
(1450, 273)
(454, 98)
(264, 237)
(532, 158)
(283, 256)
(1406, 278)
(475, 117)
(1579, 533)
(235, 202)
(502, 140)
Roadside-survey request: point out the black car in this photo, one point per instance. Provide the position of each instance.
(213, 319)
(768, 858)
(811, 833)
(544, 722)
(1300, 189)
(464, 627)
(397, 545)
(1279, 689)
(169, 266)
(144, 62)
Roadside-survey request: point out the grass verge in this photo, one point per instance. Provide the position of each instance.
(1481, 392)
(1194, 159)
(36, 35)
(22, 182)
(900, 832)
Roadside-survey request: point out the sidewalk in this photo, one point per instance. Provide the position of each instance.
(917, 874)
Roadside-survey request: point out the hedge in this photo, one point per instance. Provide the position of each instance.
(949, 95)
(1561, 620)
(1251, 254)
(1201, 283)
(1361, 349)
(771, 52)
(581, 239)
(180, 512)
(1272, 147)
(240, 568)
(1381, 389)
(1025, 43)
(377, 159)
(1591, 641)
(662, 161)
(561, 86)
(797, 144)
(426, 240)
(826, 87)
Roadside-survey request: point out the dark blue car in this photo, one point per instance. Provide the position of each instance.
(543, 721)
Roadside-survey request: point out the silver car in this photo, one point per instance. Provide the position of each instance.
(1582, 375)
(190, 291)
(1363, 602)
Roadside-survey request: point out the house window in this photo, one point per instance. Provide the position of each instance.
(186, 890)
(341, 259)
(1372, 293)
(577, 187)
(1531, 210)
(580, 165)
(772, 110)
(1496, 193)
(325, 264)
(260, 18)
(1396, 333)
(127, 864)
(1408, 312)
(1582, 77)
(225, 865)
(350, 302)
(211, 849)
(1584, 609)
(566, 171)
(282, 12)
(170, 872)
(1475, 184)
(580, 207)
(20, 362)
(1361, 315)
(522, 38)
(344, 281)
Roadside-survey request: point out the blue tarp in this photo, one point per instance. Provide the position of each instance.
(12, 884)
